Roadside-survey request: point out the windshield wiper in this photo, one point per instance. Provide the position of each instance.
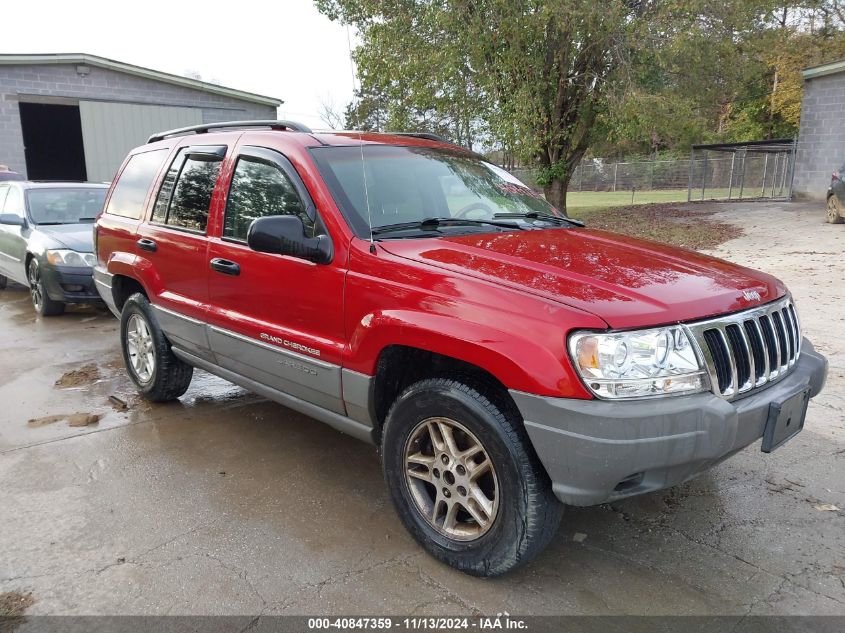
(431, 224)
(537, 215)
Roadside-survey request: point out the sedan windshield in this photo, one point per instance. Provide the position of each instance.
(65, 205)
(406, 187)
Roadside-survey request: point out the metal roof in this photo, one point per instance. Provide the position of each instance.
(139, 71)
(830, 68)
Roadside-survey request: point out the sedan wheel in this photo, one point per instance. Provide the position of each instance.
(834, 215)
(41, 301)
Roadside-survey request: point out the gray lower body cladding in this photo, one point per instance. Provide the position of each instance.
(592, 448)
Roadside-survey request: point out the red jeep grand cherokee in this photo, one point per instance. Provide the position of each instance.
(413, 295)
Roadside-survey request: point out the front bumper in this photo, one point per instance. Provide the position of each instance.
(597, 450)
(69, 284)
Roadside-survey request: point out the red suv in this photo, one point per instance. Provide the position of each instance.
(408, 292)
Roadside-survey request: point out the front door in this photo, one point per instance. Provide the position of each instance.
(174, 246)
(275, 319)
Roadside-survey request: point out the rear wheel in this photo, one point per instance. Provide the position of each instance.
(834, 211)
(41, 301)
(157, 373)
(464, 478)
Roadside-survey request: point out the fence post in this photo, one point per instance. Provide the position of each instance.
(651, 177)
(742, 174)
(774, 175)
(792, 166)
(615, 171)
(704, 174)
(689, 182)
(731, 181)
(765, 169)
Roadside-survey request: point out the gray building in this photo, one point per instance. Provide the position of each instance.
(821, 139)
(74, 117)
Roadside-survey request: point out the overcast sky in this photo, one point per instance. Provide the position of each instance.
(283, 49)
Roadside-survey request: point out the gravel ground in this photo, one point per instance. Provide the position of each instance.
(224, 503)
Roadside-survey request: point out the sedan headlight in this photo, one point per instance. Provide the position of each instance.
(637, 364)
(70, 258)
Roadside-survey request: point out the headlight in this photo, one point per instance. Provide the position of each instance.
(656, 362)
(71, 258)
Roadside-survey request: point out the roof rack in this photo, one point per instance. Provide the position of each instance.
(426, 135)
(228, 125)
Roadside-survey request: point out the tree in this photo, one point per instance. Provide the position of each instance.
(330, 114)
(534, 75)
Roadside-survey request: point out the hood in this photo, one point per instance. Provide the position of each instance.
(625, 281)
(77, 237)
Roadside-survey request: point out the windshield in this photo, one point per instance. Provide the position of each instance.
(65, 206)
(411, 184)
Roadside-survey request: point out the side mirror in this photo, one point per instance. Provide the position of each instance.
(285, 235)
(11, 219)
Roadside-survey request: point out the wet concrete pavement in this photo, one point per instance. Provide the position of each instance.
(225, 503)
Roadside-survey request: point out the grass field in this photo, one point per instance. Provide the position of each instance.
(577, 200)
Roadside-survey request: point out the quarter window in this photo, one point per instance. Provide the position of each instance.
(259, 190)
(130, 190)
(14, 202)
(185, 194)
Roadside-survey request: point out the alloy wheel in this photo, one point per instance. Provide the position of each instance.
(451, 479)
(832, 210)
(141, 349)
(35, 289)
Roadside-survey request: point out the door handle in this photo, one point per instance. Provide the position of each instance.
(225, 266)
(147, 245)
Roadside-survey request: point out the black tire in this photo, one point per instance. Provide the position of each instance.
(528, 513)
(41, 301)
(834, 211)
(3, 282)
(169, 377)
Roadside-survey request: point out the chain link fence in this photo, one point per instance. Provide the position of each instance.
(758, 169)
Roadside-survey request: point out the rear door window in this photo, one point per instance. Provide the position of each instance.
(184, 197)
(130, 190)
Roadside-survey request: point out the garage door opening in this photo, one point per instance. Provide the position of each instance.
(52, 137)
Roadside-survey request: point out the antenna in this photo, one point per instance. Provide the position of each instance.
(361, 145)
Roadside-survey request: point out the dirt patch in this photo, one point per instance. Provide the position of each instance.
(14, 605)
(670, 223)
(74, 419)
(85, 375)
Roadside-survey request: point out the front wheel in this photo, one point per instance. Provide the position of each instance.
(464, 478)
(157, 373)
(834, 212)
(41, 301)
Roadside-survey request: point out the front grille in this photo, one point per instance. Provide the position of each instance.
(747, 350)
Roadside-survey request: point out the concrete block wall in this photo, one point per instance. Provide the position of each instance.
(821, 140)
(20, 82)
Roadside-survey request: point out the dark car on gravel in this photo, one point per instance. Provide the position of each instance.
(47, 243)
(836, 197)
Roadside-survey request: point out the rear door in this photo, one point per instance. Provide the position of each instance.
(12, 237)
(172, 244)
(273, 318)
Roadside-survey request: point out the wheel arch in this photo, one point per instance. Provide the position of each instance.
(400, 366)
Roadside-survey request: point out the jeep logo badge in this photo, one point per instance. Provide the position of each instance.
(751, 295)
